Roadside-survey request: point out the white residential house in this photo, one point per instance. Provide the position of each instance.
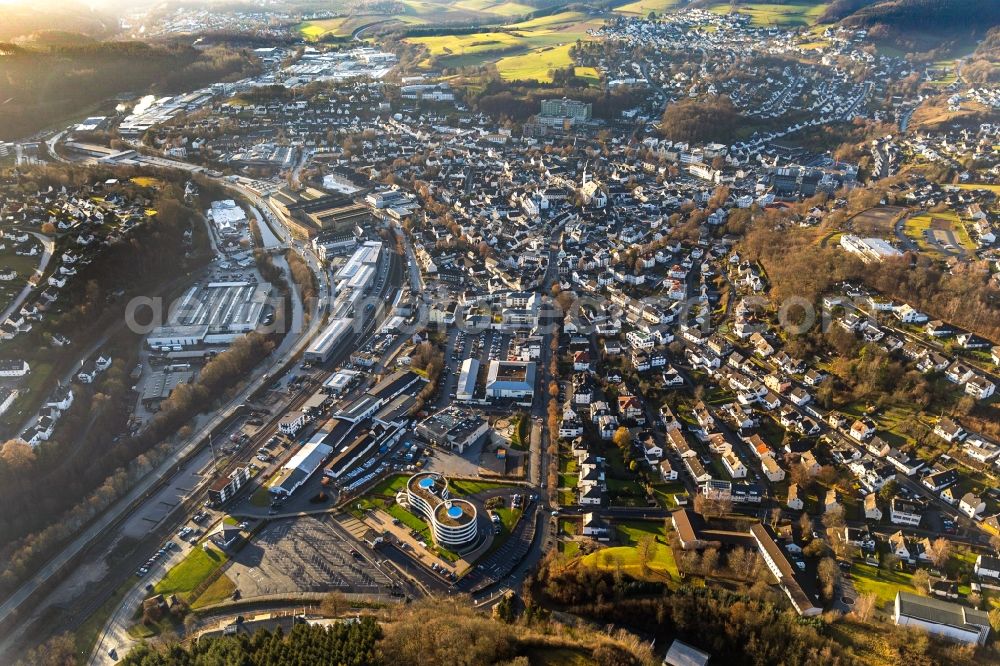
(832, 501)
(979, 387)
(872, 512)
(971, 505)
(667, 471)
(949, 430)
(734, 465)
(291, 423)
(14, 368)
(904, 513)
(794, 501)
(908, 315)
(861, 430)
(987, 567)
(595, 527)
(772, 470)
(799, 396)
(900, 547)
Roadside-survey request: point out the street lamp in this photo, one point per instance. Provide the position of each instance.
(211, 445)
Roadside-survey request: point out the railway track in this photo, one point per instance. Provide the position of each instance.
(178, 515)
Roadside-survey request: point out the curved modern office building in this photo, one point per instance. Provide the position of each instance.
(452, 521)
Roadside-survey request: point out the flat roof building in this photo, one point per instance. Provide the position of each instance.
(299, 468)
(944, 618)
(466, 388)
(869, 249)
(160, 384)
(510, 379)
(779, 564)
(213, 313)
(323, 346)
(453, 428)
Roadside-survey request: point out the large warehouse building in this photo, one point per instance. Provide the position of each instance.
(327, 341)
(213, 313)
(299, 468)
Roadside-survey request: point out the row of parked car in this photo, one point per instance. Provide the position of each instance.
(144, 569)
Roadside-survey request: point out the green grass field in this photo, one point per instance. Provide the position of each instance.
(455, 45)
(627, 556)
(946, 72)
(260, 497)
(462, 487)
(995, 189)
(188, 574)
(538, 65)
(316, 30)
(416, 13)
(643, 7)
(884, 584)
(220, 590)
(609, 559)
(631, 532)
(525, 50)
(411, 521)
(916, 225)
(389, 486)
(509, 518)
(569, 548)
(492, 7)
(784, 15)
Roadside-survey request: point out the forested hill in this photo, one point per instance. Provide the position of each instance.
(936, 15)
(46, 83)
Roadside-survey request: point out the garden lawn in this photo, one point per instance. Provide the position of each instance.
(389, 486)
(884, 584)
(260, 497)
(462, 487)
(411, 521)
(569, 548)
(509, 518)
(633, 531)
